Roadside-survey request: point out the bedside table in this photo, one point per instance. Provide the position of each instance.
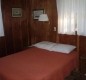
(83, 64)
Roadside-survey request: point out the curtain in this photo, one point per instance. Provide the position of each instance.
(1, 23)
(71, 16)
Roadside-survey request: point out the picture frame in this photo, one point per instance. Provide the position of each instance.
(16, 12)
(37, 13)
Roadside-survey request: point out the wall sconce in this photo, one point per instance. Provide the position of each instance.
(43, 17)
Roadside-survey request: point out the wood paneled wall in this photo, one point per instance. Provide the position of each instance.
(44, 30)
(82, 45)
(16, 28)
(68, 39)
(2, 47)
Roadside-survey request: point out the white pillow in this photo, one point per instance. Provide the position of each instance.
(63, 48)
(45, 45)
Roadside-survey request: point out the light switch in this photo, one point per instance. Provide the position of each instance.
(54, 28)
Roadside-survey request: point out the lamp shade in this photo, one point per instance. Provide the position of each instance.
(43, 17)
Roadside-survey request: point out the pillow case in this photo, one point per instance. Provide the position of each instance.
(57, 47)
(63, 48)
(45, 45)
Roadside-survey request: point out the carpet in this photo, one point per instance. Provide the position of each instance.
(76, 76)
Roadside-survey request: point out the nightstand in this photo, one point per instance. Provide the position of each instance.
(83, 64)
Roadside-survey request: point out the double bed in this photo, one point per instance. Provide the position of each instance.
(38, 64)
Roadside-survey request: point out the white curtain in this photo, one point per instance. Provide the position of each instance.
(71, 16)
(1, 22)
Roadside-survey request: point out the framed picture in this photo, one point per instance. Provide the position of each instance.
(37, 13)
(16, 12)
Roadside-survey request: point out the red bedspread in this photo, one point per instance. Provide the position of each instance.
(37, 64)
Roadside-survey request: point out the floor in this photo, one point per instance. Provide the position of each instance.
(76, 76)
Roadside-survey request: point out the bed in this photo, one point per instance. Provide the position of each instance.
(38, 64)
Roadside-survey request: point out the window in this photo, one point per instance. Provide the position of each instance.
(71, 16)
(1, 22)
